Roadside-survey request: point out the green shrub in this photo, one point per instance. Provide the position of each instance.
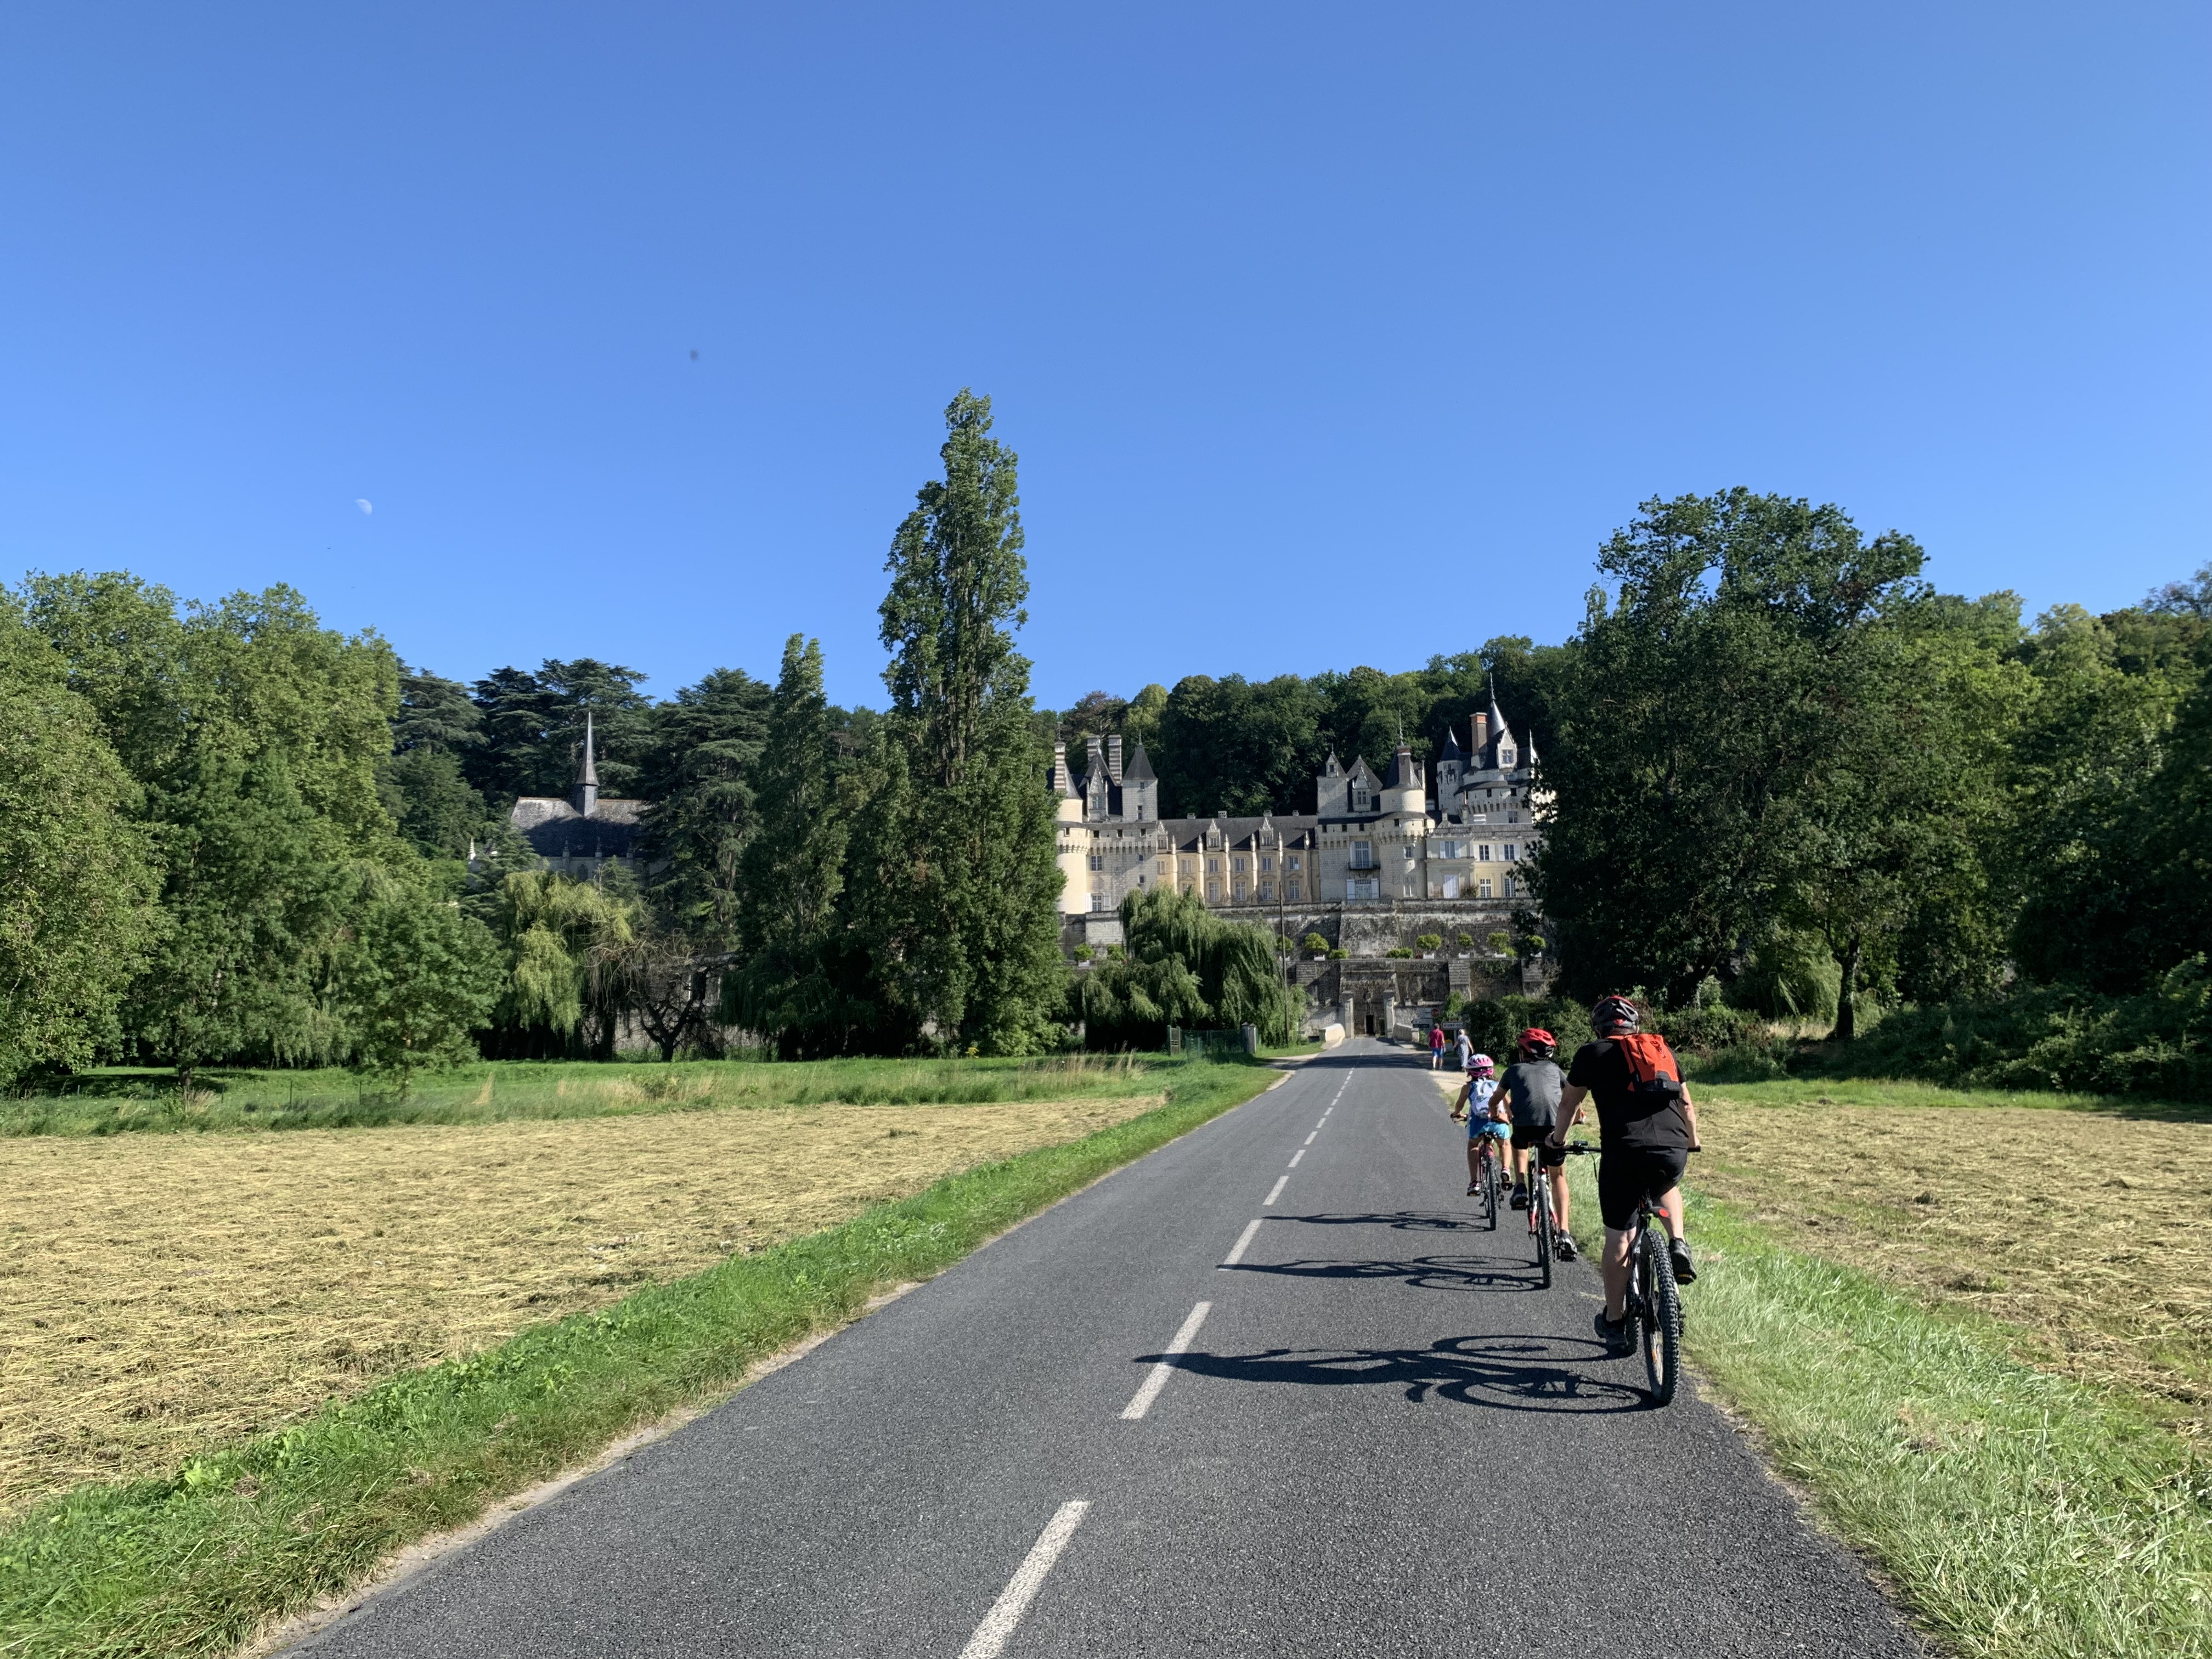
(1316, 942)
(1338, 953)
(1430, 941)
(1398, 952)
(1466, 941)
(1084, 953)
(2058, 1036)
(1495, 1026)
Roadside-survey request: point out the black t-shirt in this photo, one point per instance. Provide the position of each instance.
(1626, 1117)
(1534, 1101)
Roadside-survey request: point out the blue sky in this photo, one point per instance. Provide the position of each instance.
(1327, 335)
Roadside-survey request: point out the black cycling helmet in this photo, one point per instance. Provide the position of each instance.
(1614, 1014)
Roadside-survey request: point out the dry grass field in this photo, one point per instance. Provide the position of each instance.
(166, 1292)
(2089, 1235)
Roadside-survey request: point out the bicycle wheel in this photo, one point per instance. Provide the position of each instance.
(1539, 1219)
(1662, 1336)
(1489, 1194)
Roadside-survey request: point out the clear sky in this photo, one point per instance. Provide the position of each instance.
(1326, 334)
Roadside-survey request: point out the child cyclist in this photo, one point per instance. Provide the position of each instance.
(1473, 1107)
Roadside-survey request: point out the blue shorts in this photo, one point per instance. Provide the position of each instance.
(1479, 1126)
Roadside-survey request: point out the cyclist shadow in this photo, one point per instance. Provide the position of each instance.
(1502, 1373)
(1416, 1221)
(1425, 1273)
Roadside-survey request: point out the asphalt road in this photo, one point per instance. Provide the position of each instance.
(1382, 1437)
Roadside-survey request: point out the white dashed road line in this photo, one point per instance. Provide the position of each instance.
(1276, 1191)
(1151, 1391)
(1315, 1136)
(1244, 1241)
(1296, 1156)
(990, 1637)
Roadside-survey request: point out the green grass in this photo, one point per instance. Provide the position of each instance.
(132, 1100)
(1902, 1091)
(2018, 1515)
(190, 1564)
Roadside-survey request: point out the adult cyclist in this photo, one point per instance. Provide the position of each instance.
(1472, 1106)
(1646, 1136)
(1527, 1097)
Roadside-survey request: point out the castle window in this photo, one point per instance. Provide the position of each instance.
(1213, 891)
(1512, 853)
(1293, 893)
(1451, 849)
(1292, 863)
(1508, 887)
(1363, 855)
(1240, 890)
(1482, 853)
(1099, 861)
(1408, 850)
(1409, 893)
(1505, 754)
(1356, 890)
(1267, 893)
(1098, 900)
(1265, 862)
(1161, 864)
(1482, 888)
(1237, 865)
(1213, 868)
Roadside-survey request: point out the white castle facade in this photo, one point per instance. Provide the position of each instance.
(1377, 851)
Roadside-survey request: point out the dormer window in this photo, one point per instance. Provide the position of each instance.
(1505, 754)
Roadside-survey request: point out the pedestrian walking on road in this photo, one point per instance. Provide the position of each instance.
(1466, 1048)
(1436, 1047)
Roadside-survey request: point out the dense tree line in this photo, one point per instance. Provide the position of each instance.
(232, 836)
(1788, 774)
(1241, 746)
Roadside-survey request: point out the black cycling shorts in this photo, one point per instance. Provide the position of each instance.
(1628, 1175)
(1548, 1157)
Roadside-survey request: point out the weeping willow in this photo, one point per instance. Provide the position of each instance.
(1181, 965)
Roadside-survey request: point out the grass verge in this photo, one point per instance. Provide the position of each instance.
(2019, 1515)
(128, 1100)
(190, 1564)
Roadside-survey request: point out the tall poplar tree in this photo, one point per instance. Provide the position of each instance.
(786, 983)
(960, 892)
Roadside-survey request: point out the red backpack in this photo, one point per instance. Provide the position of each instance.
(1652, 1068)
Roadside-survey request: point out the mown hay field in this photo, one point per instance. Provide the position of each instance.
(2089, 1234)
(166, 1292)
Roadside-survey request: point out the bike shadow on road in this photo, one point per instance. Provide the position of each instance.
(1421, 1273)
(1498, 1372)
(1419, 1221)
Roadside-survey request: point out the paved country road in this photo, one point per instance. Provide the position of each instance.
(1377, 1432)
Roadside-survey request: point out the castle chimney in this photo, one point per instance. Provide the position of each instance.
(1113, 759)
(1481, 737)
(1061, 784)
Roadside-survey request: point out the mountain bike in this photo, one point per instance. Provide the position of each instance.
(1543, 1229)
(1654, 1307)
(1487, 1181)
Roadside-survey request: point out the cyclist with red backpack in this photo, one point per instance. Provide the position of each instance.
(1647, 1129)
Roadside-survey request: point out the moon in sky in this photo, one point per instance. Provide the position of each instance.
(365, 507)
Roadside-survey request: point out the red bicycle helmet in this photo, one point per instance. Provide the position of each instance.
(1539, 1043)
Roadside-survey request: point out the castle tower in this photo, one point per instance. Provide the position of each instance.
(1140, 788)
